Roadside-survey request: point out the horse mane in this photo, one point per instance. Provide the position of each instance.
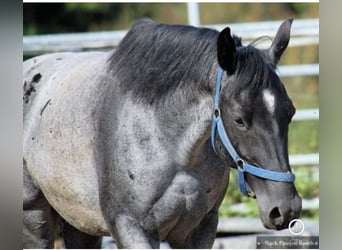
(154, 59)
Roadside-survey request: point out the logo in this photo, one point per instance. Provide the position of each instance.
(296, 227)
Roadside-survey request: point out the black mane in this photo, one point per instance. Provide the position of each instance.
(154, 59)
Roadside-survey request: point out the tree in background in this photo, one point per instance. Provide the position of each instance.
(44, 18)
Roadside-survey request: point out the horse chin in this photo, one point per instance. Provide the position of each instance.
(273, 226)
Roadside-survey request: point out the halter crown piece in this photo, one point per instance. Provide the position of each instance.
(242, 166)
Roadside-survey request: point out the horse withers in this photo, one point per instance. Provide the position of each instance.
(138, 142)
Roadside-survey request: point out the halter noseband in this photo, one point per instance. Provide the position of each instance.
(242, 166)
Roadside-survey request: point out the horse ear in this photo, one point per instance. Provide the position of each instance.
(280, 41)
(226, 51)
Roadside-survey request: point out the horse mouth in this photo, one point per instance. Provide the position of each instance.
(275, 226)
(277, 222)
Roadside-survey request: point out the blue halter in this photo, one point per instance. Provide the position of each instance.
(242, 166)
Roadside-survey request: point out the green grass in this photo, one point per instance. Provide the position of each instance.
(303, 137)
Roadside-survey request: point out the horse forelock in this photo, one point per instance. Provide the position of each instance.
(254, 69)
(256, 74)
(155, 59)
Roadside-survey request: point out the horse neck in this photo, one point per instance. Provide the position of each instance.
(186, 119)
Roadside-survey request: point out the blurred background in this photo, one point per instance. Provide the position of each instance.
(48, 26)
(49, 18)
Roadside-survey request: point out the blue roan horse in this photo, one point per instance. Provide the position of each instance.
(138, 142)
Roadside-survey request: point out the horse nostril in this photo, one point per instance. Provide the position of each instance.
(275, 213)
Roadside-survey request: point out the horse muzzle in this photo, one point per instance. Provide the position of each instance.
(281, 213)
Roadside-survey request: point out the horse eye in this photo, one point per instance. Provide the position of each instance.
(239, 122)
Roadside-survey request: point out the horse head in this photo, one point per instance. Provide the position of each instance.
(254, 112)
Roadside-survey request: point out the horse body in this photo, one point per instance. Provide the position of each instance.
(192, 183)
(118, 142)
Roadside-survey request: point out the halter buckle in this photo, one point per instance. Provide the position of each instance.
(217, 112)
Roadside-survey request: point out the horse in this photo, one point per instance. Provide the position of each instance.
(138, 142)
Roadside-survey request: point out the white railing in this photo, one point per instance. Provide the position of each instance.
(298, 70)
(303, 32)
(306, 114)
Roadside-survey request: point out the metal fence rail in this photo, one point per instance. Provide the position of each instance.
(303, 32)
(298, 70)
(306, 114)
(304, 159)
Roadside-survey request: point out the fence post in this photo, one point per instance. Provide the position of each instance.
(193, 13)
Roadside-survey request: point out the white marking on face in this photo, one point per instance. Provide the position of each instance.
(269, 100)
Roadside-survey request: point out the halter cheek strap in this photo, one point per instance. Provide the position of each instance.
(242, 166)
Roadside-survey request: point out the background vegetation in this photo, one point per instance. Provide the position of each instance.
(81, 17)
(303, 136)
